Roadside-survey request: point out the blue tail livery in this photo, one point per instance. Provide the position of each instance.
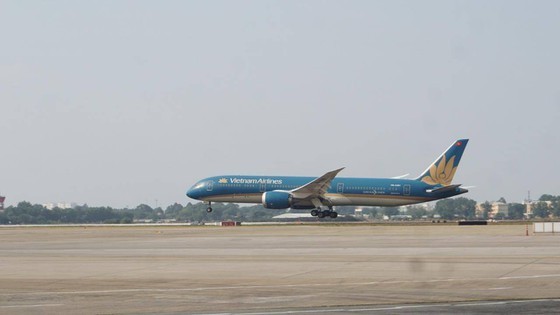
(321, 194)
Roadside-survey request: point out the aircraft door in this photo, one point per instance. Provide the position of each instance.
(263, 187)
(210, 186)
(340, 188)
(406, 190)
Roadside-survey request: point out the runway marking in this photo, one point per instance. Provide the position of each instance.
(388, 308)
(504, 302)
(529, 277)
(274, 286)
(33, 305)
(489, 289)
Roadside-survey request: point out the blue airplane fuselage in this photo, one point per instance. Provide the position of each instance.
(343, 191)
(281, 192)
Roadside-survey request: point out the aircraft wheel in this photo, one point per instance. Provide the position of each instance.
(209, 209)
(320, 214)
(333, 214)
(314, 212)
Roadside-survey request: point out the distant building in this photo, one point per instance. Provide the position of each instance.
(529, 207)
(293, 215)
(358, 213)
(479, 210)
(60, 205)
(498, 207)
(530, 204)
(401, 217)
(429, 206)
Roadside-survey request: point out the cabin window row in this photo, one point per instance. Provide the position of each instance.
(381, 189)
(256, 186)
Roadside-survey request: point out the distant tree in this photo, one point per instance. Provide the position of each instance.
(231, 213)
(445, 208)
(516, 211)
(502, 200)
(555, 207)
(417, 212)
(173, 210)
(458, 207)
(158, 213)
(486, 208)
(26, 213)
(346, 209)
(99, 215)
(541, 210)
(499, 216)
(467, 207)
(143, 212)
(4, 219)
(390, 211)
(371, 212)
(547, 197)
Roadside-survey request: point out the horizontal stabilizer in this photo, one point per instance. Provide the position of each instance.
(443, 189)
(400, 177)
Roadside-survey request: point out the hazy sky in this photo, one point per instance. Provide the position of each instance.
(124, 102)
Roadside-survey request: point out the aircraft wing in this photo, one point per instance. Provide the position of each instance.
(317, 187)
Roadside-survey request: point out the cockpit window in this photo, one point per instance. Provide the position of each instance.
(199, 185)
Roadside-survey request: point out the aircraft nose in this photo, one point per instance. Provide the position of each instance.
(191, 193)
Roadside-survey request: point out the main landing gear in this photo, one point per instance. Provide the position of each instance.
(209, 209)
(324, 213)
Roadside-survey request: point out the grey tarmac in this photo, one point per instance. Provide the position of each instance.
(292, 269)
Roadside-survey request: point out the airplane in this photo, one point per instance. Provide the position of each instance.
(283, 192)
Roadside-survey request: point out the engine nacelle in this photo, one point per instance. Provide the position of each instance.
(277, 199)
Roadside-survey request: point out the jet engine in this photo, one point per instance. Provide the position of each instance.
(277, 199)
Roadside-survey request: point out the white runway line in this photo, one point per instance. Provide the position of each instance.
(33, 305)
(529, 277)
(389, 308)
(240, 287)
(505, 302)
(491, 289)
(324, 310)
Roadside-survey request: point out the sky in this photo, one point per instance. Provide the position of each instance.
(118, 103)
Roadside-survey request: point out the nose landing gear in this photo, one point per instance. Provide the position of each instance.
(209, 209)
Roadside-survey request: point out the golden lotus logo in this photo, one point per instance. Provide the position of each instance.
(441, 173)
(223, 181)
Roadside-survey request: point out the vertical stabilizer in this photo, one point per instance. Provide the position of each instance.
(441, 172)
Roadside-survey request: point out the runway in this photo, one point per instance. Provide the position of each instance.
(307, 269)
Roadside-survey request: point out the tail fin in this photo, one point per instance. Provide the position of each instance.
(441, 172)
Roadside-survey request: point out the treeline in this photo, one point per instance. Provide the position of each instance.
(450, 209)
(27, 213)
(548, 205)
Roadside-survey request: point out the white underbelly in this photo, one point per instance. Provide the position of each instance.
(336, 199)
(240, 198)
(369, 200)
